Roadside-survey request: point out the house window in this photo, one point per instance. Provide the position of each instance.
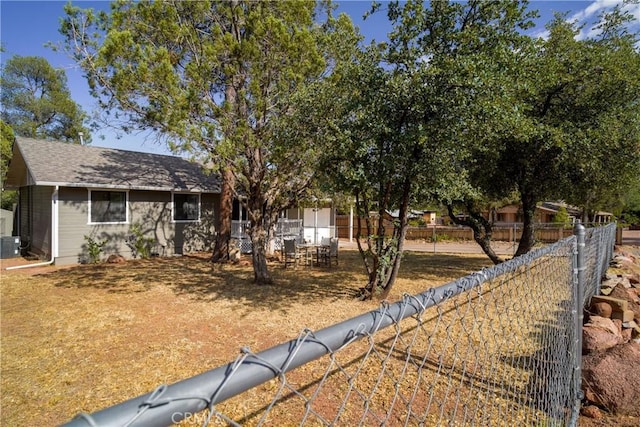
(186, 207)
(108, 206)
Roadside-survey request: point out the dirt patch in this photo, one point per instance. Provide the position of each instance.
(82, 338)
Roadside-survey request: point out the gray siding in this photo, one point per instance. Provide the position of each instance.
(73, 226)
(198, 236)
(35, 219)
(24, 222)
(149, 211)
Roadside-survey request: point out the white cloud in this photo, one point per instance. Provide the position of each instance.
(542, 34)
(589, 16)
(593, 9)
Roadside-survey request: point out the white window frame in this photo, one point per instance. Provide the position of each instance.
(126, 203)
(173, 207)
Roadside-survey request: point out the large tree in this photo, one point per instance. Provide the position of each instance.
(604, 158)
(563, 124)
(373, 151)
(7, 137)
(214, 78)
(399, 109)
(36, 101)
(569, 126)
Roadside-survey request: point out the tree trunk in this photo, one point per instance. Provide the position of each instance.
(223, 237)
(399, 235)
(528, 239)
(387, 254)
(256, 215)
(258, 240)
(370, 254)
(485, 245)
(482, 230)
(381, 271)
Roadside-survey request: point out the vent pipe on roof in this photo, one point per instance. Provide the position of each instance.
(80, 134)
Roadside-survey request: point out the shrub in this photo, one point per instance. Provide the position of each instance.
(140, 245)
(94, 248)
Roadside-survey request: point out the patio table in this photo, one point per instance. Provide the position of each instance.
(309, 251)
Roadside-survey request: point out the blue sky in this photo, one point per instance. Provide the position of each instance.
(26, 26)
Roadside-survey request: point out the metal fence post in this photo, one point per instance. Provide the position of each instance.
(580, 233)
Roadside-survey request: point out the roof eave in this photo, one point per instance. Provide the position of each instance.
(125, 187)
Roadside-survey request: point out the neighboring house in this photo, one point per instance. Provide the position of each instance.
(545, 213)
(428, 216)
(69, 191)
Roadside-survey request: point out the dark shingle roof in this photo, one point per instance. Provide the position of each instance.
(72, 165)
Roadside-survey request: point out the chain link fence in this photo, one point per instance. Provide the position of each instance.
(598, 252)
(499, 347)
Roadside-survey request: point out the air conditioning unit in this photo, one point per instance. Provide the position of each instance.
(9, 247)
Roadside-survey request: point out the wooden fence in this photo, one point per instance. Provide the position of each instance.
(546, 233)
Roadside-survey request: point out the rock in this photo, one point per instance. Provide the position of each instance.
(601, 309)
(624, 282)
(610, 276)
(234, 254)
(626, 258)
(591, 411)
(611, 379)
(116, 259)
(630, 296)
(602, 323)
(600, 334)
(618, 324)
(617, 304)
(606, 291)
(633, 325)
(610, 283)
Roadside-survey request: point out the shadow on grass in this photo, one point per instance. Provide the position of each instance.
(422, 265)
(196, 277)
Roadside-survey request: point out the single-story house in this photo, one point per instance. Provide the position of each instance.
(545, 213)
(71, 193)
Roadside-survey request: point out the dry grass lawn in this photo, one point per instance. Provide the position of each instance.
(84, 338)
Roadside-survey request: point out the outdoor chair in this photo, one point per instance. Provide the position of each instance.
(328, 251)
(291, 253)
(333, 251)
(322, 253)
